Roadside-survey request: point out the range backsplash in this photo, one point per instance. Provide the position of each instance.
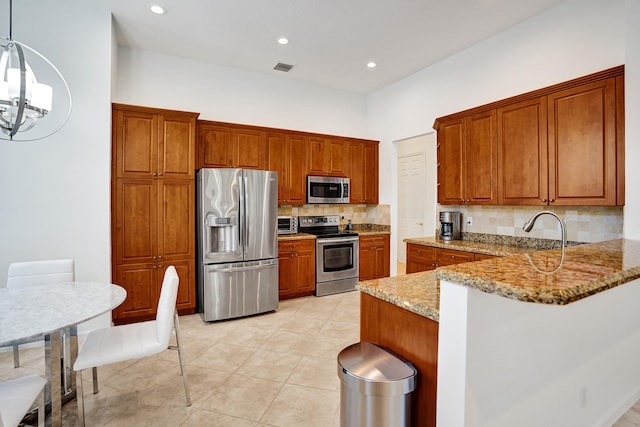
(584, 223)
(358, 214)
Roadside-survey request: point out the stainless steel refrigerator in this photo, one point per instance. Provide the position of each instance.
(237, 217)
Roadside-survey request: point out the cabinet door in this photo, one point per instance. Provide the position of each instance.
(450, 162)
(297, 172)
(215, 146)
(374, 257)
(141, 283)
(522, 153)
(250, 149)
(582, 145)
(177, 147)
(420, 258)
(480, 257)
(370, 174)
(448, 257)
(286, 272)
(357, 173)
(136, 221)
(318, 156)
(135, 144)
(176, 219)
(277, 146)
(480, 156)
(339, 155)
(186, 301)
(306, 265)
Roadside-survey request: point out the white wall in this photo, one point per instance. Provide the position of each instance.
(54, 194)
(632, 121)
(576, 38)
(232, 95)
(509, 363)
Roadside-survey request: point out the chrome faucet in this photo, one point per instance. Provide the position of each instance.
(529, 224)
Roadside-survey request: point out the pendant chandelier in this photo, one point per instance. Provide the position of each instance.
(25, 102)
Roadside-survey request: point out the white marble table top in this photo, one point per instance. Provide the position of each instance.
(28, 314)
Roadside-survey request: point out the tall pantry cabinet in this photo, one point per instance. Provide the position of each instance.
(153, 207)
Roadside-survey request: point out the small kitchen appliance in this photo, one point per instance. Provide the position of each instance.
(287, 224)
(450, 224)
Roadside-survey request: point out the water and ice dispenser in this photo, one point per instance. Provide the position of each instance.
(222, 234)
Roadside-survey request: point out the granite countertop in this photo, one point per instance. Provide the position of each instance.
(495, 249)
(587, 270)
(371, 232)
(417, 292)
(296, 236)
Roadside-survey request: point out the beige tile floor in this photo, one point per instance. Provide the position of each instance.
(276, 369)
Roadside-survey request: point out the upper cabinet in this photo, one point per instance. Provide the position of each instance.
(363, 172)
(562, 145)
(231, 146)
(467, 157)
(150, 143)
(326, 156)
(285, 157)
(294, 155)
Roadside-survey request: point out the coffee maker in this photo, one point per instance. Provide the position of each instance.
(450, 224)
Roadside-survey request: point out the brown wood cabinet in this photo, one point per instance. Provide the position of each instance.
(363, 172)
(523, 153)
(294, 155)
(467, 160)
(296, 268)
(480, 257)
(326, 156)
(153, 207)
(286, 154)
(374, 257)
(420, 258)
(561, 145)
(424, 258)
(231, 146)
(450, 257)
(385, 324)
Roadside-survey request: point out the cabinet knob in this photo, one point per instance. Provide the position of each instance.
(453, 257)
(160, 174)
(154, 174)
(160, 257)
(544, 200)
(552, 200)
(154, 258)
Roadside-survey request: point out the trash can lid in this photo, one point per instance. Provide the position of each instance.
(372, 363)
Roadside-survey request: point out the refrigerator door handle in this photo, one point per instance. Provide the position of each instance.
(242, 207)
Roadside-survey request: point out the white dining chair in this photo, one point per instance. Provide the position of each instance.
(134, 341)
(22, 275)
(16, 398)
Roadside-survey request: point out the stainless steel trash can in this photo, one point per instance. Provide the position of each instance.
(376, 387)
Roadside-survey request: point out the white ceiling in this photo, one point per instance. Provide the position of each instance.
(331, 41)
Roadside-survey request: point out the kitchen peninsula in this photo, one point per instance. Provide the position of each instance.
(516, 346)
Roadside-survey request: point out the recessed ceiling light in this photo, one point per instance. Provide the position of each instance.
(157, 9)
(283, 40)
(371, 64)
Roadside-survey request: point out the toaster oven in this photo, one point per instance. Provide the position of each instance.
(287, 224)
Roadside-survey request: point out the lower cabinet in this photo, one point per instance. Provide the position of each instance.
(420, 258)
(296, 268)
(423, 258)
(374, 257)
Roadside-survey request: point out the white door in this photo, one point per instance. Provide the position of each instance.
(416, 190)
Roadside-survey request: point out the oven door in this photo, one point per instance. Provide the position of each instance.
(336, 258)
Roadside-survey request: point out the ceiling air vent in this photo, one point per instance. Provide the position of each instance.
(283, 67)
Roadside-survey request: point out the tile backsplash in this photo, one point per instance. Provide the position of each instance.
(358, 214)
(583, 223)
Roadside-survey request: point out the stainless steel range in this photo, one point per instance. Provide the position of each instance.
(336, 254)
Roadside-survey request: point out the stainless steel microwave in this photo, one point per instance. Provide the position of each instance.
(327, 189)
(287, 224)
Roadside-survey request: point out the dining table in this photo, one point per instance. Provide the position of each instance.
(47, 312)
